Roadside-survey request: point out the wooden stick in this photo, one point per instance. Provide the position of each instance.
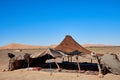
(57, 65)
(103, 69)
(11, 66)
(78, 63)
(91, 60)
(68, 58)
(28, 64)
(71, 59)
(63, 59)
(99, 68)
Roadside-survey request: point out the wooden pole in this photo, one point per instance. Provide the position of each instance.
(57, 65)
(28, 64)
(11, 65)
(103, 69)
(78, 63)
(99, 68)
(71, 58)
(63, 59)
(68, 58)
(91, 60)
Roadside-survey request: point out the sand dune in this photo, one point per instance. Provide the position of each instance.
(24, 46)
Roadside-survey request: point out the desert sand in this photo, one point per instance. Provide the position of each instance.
(24, 46)
(24, 74)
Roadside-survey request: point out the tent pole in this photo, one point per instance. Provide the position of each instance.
(63, 59)
(104, 69)
(71, 58)
(91, 60)
(78, 63)
(68, 58)
(28, 65)
(99, 68)
(57, 65)
(11, 66)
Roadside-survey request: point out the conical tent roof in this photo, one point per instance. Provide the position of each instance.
(69, 45)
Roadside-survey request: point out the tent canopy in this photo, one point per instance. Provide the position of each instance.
(48, 51)
(70, 46)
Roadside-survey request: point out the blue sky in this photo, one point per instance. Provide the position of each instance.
(46, 22)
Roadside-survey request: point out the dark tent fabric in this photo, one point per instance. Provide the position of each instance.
(69, 45)
(34, 60)
(49, 51)
(112, 63)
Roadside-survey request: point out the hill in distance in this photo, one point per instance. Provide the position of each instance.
(24, 46)
(93, 45)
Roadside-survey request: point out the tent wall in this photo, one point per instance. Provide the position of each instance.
(34, 62)
(40, 60)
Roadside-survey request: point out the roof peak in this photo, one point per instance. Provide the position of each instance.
(69, 45)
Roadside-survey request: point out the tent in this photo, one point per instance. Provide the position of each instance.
(69, 45)
(67, 48)
(112, 63)
(53, 53)
(35, 59)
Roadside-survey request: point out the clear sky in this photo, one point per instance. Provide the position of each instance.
(46, 22)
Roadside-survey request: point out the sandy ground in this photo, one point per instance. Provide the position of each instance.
(23, 74)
